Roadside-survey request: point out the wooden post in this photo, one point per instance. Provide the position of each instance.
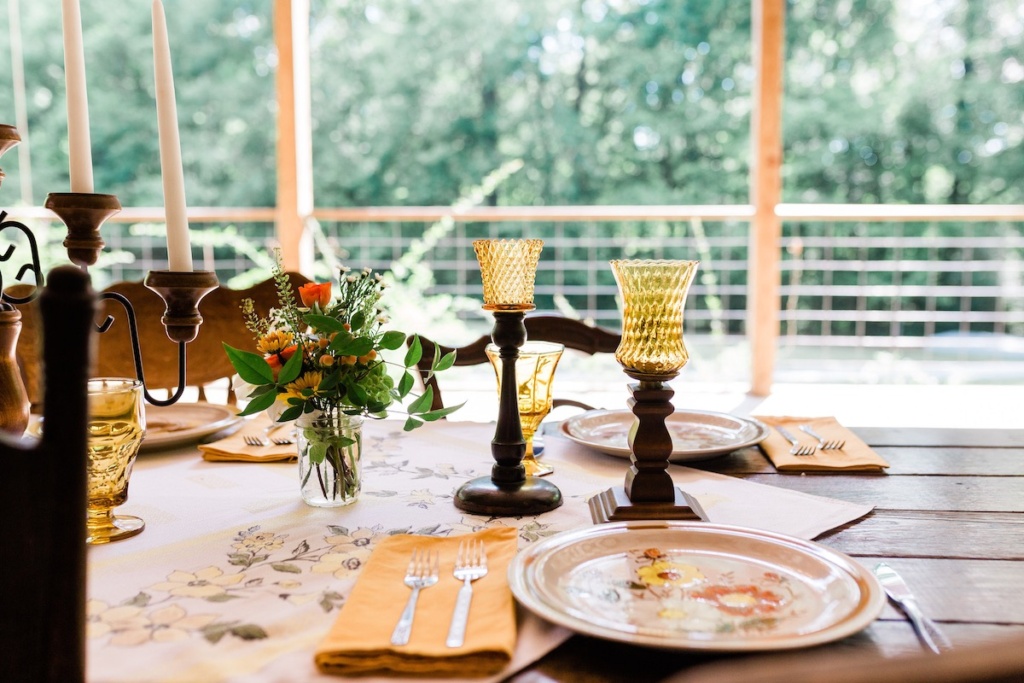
(294, 135)
(763, 285)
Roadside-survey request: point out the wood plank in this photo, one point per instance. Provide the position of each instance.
(899, 213)
(590, 660)
(897, 436)
(964, 535)
(903, 460)
(969, 494)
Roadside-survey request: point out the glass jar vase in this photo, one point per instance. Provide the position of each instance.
(329, 448)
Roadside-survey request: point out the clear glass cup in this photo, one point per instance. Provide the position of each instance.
(535, 374)
(117, 425)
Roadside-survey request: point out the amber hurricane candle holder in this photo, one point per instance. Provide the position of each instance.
(652, 352)
(508, 269)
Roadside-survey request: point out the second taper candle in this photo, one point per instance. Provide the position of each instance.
(179, 248)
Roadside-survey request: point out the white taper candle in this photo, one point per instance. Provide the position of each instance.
(79, 143)
(179, 248)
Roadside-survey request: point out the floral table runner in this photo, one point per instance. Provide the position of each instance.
(236, 579)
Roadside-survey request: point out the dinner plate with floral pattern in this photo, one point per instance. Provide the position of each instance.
(696, 434)
(180, 424)
(695, 586)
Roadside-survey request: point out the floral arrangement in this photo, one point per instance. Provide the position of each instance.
(320, 359)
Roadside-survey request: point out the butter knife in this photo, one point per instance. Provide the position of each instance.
(899, 592)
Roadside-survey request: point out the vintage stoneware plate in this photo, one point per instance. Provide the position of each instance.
(185, 423)
(695, 586)
(696, 434)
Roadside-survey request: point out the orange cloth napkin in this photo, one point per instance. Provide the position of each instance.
(234, 448)
(359, 642)
(855, 455)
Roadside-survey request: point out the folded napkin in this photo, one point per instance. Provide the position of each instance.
(359, 642)
(234, 448)
(855, 455)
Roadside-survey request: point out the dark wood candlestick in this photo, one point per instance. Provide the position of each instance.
(181, 292)
(83, 214)
(649, 492)
(508, 491)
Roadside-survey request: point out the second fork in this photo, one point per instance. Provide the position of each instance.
(823, 443)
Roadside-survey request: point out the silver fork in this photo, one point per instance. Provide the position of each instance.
(823, 443)
(421, 573)
(281, 441)
(798, 448)
(470, 565)
(251, 440)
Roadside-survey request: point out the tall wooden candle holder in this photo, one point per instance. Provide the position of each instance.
(652, 352)
(508, 268)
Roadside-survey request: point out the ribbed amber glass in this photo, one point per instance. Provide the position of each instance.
(508, 268)
(653, 294)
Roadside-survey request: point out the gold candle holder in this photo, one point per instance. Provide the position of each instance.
(508, 268)
(651, 351)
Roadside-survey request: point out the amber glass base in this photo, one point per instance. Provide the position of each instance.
(107, 527)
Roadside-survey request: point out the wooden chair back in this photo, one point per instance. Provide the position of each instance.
(43, 502)
(207, 362)
(573, 334)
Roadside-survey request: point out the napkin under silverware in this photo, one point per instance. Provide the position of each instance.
(359, 642)
(234, 449)
(854, 456)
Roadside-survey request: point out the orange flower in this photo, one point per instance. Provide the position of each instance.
(277, 360)
(315, 293)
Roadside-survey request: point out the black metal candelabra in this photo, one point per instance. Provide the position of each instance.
(84, 214)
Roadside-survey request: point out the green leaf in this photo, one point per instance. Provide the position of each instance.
(422, 404)
(358, 321)
(285, 567)
(355, 346)
(248, 632)
(259, 404)
(251, 367)
(291, 369)
(415, 352)
(405, 384)
(392, 340)
(291, 413)
(324, 323)
(357, 395)
(444, 362)
(330, 381)
(439, 413)
(317, 453)
(411, 423)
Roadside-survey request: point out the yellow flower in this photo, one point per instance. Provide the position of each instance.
(205, 583)
(663, 572)
(308, 380)
(343, 565)
(274, 341)
(128, 627)
(261, 541)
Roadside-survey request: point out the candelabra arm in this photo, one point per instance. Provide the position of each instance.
(133, 331)
(34, 266)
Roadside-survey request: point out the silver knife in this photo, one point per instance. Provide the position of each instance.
(899, 592)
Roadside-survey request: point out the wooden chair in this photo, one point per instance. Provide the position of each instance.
(207, 362)
(1000, 661)
(43, 502)
(574, 334)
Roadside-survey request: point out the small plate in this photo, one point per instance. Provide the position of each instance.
(696, 434)
(695, 586)
(180, 424)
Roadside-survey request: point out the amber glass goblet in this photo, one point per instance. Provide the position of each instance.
(535, 374)
(117, 424)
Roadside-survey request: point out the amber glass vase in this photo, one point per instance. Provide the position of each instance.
(653, 295)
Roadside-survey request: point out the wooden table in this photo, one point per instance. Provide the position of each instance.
(949, 516)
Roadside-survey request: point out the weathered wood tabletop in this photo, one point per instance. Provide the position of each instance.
(949, 517)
